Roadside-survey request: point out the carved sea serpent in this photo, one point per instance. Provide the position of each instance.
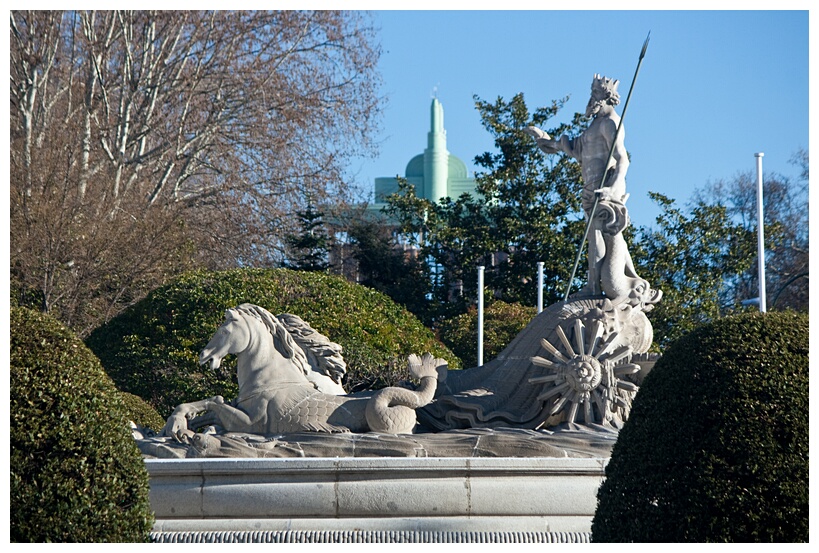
(392, 410)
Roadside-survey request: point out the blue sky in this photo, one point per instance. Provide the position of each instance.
(715, 87)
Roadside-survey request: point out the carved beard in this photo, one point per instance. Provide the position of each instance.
(593, 107)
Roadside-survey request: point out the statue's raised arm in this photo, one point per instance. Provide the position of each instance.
(592, 147)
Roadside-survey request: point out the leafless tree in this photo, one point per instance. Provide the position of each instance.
(175, 138)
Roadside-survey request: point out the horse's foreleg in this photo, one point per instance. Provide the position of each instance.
(177, 424)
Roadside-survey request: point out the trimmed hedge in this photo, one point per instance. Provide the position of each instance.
(502, 322)
(152, 348)
(76, 473)
(141, 412)
(716, 447)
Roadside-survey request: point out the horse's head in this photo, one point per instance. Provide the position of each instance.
(233, 336)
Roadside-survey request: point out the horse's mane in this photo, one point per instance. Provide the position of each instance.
(297, 340)
(285, 343)
(323, 355)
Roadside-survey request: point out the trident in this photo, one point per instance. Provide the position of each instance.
(605, 173)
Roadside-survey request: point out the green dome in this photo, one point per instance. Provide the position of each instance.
(415, 168)
(435, 173)
(457, 168)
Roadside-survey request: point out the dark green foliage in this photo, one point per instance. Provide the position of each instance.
(152, 348)
(690, 257)
(533, 200)
(141, 412)
(384, 266)
(502, 322)
(716, 447)
(76, 473)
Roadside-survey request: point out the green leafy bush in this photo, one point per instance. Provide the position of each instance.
(501, 323)
(152, 348)
(141, 412)
(716, 447)
(76, 473)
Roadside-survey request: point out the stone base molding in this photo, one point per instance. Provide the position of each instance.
(361, 500)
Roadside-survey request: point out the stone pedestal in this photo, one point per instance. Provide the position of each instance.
(375, 499)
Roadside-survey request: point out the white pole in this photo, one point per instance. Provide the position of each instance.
(480, 315)
(761, 232)
(539, 286)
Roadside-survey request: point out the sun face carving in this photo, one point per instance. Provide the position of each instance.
(584, 381)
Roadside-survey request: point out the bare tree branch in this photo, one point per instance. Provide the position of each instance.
(194, 135)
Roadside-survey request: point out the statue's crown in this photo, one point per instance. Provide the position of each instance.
(604, 84)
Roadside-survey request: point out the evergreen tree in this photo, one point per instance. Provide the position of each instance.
(692, 258)
(309, 248)
(385, 265)
(534, 202)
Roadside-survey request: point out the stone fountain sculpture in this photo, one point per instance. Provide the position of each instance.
(280, 392)
(575, 367)
(577, 361)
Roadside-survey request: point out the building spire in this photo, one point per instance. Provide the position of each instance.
(436, 156)
(437, 134)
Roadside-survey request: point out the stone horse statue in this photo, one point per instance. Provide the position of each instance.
(276, 396)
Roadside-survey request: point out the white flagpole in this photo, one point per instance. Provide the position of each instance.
(480, 315)
(760, 233)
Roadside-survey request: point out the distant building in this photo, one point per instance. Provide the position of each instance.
(436, 173)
